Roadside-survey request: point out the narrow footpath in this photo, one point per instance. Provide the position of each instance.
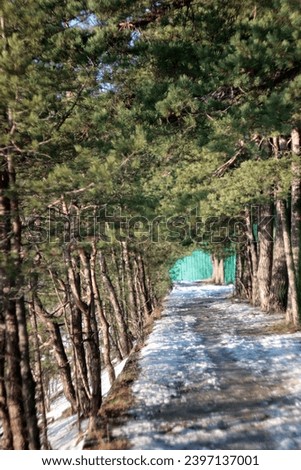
(216, 374)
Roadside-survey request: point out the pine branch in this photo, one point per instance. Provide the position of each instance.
(222, 169)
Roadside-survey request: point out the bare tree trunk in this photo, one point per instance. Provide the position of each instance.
(296, 206)
(254, 258)
(19, 384)
(221, 271)
(11, 406)
(7, 437)
(7, 440)
(279, 281)
(13, 381)
(118, 265)
(113, 333)
(60, 354)
(239, 288)
(122, 329)
(292, 310)
(40, 392)
(77, 338)
(151, 291)
(78, 309)
(243, 286)
(214, 261)
(92, 340)
(292, 315)
(102, 319)
(265, 238)
(140, 290)
(218, 270)
(132, 304)
(28, 384)
(138, 300)
(143, 283)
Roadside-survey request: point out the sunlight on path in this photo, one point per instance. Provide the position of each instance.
(214, 377)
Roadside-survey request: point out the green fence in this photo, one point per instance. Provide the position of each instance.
(230, 269)
(198, 266)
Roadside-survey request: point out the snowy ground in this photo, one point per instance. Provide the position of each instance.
(213, 376)
(63, 432)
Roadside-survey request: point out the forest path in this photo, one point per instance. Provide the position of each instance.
(216, 374)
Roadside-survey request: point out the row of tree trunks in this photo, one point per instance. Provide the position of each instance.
(18, 387)
(102, 305)
(274, 254)
(90, 317)
(262, 268)
(103, 322)
(131, 294)
(52, 327)
(123, 339)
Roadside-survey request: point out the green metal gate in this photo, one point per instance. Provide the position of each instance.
(198, 266)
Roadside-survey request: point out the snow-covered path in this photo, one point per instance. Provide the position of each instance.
(214, 376)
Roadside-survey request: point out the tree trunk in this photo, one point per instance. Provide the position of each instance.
(218, 270)
(59, 351)
(118, 266)
(242, 276)
(13, 379)
(106, 346)
(265, 239)
(143, 283)
(77, 338)
(92, 340)
(141, 293)
(7, 438)
(19, 384)
(292, 310)
(293, 314)
(151, 291)
(254, 257)
(122, 329)
(113, 334)
(139, 300)
(239, 288)
(279, 280)
(28, 383)
(78, 309)
(132, 304)
(296, 207)
(40, 392)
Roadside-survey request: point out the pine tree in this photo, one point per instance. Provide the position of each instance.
(42, 60)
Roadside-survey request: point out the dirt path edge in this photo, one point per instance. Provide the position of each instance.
(114, 411)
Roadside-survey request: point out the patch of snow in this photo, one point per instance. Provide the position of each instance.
(63, 432)
(211, 379)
